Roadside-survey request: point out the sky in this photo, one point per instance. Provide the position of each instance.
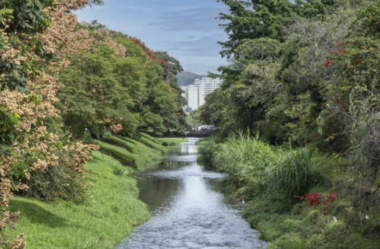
(187, 29)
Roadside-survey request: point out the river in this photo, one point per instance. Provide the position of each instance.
(188, 209)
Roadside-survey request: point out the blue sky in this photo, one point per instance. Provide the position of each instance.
(186, 29)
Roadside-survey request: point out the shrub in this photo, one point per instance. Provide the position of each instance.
(57, 182)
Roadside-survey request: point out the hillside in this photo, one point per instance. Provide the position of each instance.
(187, 78)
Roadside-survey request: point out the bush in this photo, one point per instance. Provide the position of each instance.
(57, 182)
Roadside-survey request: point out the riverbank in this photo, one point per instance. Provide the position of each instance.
(110, 212)
(318, 213)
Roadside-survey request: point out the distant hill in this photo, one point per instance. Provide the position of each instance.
(187, 78)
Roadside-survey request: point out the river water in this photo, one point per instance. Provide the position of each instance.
(188, 210)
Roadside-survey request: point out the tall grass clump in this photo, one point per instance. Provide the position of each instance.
(245, 159)
(292, 175)
(263, 169)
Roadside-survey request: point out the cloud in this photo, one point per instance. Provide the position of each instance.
(206, 45)
(191, 19)
(186, 29)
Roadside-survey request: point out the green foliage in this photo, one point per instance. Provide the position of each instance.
(278, 84)
(266, 19)
(27, 15)
(309, 75)
(94, 96)
(137, 90)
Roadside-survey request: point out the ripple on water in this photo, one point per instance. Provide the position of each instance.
(189, 171)
(182, 158)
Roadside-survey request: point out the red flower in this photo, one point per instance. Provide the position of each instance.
(327, 62)
(55, 192)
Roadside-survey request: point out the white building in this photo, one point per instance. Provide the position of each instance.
(196, 93)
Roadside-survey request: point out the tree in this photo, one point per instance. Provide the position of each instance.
(252, 20)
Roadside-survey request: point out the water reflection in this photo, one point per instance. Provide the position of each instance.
(186, 211)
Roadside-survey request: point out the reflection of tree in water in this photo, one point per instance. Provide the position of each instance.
(156, 192)
(173, 165)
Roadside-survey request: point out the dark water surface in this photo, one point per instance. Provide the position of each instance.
(187, 209)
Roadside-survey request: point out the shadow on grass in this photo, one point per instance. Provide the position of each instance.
(37, 214)
(96, 158)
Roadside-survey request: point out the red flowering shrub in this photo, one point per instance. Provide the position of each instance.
(313, 199)
(327, 62)
(316, 199)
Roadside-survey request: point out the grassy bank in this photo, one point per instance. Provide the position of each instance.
(111, 210)
(172, 141)
(298, 199)
(108, 216)
(140, 153)
(132, 153)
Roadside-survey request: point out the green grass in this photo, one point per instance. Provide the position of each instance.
(106, 219)
(171, 141)
(204, 141)
(132, 152)
(152, 142)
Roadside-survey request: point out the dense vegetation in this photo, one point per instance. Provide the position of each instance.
(62, 84)
(302, 75)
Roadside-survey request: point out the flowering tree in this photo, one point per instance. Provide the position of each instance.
(34, 37)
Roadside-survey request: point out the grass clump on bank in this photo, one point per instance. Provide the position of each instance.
(294, 195)
(254, 164)
(108, 216)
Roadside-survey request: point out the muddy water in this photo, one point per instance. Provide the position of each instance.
(187, 209)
